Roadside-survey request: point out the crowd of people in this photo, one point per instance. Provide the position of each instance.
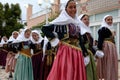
(65, 52)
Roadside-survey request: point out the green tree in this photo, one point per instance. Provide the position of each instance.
(10, 16)
(1, 17)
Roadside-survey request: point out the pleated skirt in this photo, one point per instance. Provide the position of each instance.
(23, 68)
(107, 67)
(68, 64)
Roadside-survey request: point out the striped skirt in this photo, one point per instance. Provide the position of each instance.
(10, 62)
(107, 67)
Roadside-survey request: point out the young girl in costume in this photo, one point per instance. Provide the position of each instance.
(107, 66)
(63, 33)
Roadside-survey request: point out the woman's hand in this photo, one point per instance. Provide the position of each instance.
(99, 54)
(54, 42)
(86, 60)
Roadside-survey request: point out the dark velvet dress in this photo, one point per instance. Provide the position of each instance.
(24, 69)
(109, 63)
(42, 65)
(68, 63)
(47, 61)
(3, 55)
(87, 40)
(11, 58)
(37, 60)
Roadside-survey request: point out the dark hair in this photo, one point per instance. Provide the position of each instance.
(68, 3)
(27, 30)
(84, 16)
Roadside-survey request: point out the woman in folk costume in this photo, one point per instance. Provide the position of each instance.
(3, 51)
(107, 67)
(23, 68)
(43, 56)
(87, 40)
(36, 39)
(69, 61)
(11, 60)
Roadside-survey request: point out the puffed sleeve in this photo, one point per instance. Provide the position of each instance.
(100, 39)
(84, 50)
(48, 31)
(102, 34)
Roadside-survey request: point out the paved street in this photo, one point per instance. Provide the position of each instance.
(4, 76)
(119, 71)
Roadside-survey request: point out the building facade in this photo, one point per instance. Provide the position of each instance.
(39, 17)
(97, 9)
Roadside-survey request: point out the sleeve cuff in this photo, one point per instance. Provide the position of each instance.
(54, 42)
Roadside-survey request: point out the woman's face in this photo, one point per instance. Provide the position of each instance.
(35, 36)
(85, 20)
(27, 33)
(109, 20)
(15, 35)
(5, 38)
(71, 9)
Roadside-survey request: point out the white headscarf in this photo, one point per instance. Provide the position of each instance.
(64, 19)
(11, 37)
(104, 24)
(83, 28)
(21, 30)
(21, 37)
(40, 37)
(2, 41)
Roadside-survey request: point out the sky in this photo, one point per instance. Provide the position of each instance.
(22, 3)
